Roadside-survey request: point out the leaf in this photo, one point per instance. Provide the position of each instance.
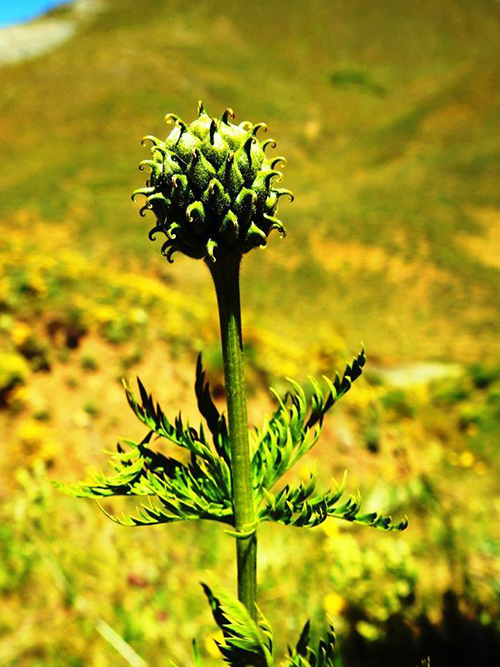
(151, 414)
(215, 421)
(337, 389)
(245, 642)
(299, 507)
(304, 638)
(305, 656)
(196, 654)
(198, 489)
(296, 426)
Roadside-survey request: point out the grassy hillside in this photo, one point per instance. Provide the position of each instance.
(389, 115)
(390, 122)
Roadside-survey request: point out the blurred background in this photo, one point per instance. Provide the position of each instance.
(389, 115)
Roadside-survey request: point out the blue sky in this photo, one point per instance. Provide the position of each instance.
(17, 11)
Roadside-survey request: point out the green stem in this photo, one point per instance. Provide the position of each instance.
(226, 276)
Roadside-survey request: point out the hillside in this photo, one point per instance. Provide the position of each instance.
(389, 121)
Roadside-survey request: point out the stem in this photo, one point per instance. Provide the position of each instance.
(226, 275)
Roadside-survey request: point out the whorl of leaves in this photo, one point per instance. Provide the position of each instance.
(200, 487)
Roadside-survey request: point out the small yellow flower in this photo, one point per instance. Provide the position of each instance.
(467, 459)
(20, 333)
(104, 314)
(333, 604)
(4, 288)
(13, 369)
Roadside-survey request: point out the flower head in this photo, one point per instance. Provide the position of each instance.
(211, 187)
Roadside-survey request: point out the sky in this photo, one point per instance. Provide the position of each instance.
(18, 11)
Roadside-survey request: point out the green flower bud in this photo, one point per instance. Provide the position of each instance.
(211, 187)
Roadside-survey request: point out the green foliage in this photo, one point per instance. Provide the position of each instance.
(246, 642)
(305, 656)
(299, 507)
(294, 429)
(250, 644)
(200, 488)
(291, 432)
(89, 363)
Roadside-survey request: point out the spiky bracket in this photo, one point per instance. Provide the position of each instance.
(201, 487)
(211, 187)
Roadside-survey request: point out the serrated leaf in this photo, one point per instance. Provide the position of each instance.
(299, 507)
(245, 641)
(198, 489)
(296, 425)
(303, 643)
(304, 655)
